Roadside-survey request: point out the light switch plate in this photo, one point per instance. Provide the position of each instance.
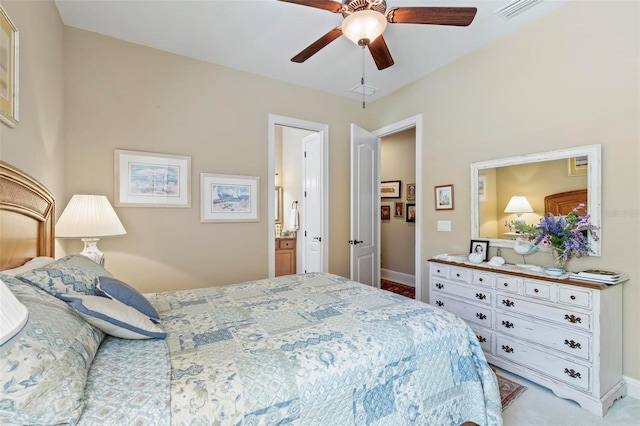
(444, 225)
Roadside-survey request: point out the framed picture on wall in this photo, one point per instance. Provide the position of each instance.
(399, 210)
(444, 197)
(578, 166)
(385, 212)
(482, 187)
(390, 189)
(229, 198)
(411, 213)
(8, 70)
(411, 192)
(147, 179)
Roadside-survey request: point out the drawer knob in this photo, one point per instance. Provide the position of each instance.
(572, 373)
(507, 349)
(481, 296)
(480, 279)
(507, 302)
(481, 339)
(440, 286)
(439, 303)
(573, 319)
(572, 344)
(481, 316)
(438, 270)
(458, 275)
(572, 297)
(505, 284)
(535, 290)
(508, 324)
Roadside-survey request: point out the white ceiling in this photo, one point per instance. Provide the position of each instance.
(261, 36)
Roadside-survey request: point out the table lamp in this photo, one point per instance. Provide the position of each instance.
(89, 217)
(518, 204)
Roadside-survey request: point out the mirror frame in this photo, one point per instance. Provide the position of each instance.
(594, 187)
(278, 205)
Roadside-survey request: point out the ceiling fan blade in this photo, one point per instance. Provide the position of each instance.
(380, 52)
(314, 47)
(459, 16)
(329, 5)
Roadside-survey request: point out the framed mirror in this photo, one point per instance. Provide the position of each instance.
(278, 205)
(554, 180)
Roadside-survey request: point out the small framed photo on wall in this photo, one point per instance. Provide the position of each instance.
(411, 192)
(399, 210)
(480, 246)
(444, 197)
(411, 213)
(385, 212)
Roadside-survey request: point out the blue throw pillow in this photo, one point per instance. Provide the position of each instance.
(114, 318)
(124, 293)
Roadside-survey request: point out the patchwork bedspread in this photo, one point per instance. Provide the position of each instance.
(318, 349)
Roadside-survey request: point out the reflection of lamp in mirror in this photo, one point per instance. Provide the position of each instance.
(89, 217)
(518, 204)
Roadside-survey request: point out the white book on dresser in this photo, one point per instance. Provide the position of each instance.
(564, 335)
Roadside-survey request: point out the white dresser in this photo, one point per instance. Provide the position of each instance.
(561, 334)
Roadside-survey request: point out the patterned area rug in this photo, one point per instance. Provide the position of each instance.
(398, 288)
(509, 390)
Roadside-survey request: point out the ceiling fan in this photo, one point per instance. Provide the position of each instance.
(365, 21)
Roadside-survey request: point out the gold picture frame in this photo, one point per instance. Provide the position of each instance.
(8, 70)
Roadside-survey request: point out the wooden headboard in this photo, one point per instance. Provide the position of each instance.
(563, 202)
(27, 216)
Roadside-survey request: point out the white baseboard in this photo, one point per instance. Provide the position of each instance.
(398, 277)
(633, 387)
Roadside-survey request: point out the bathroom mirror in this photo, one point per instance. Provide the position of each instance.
(549, 175)
(278, 206)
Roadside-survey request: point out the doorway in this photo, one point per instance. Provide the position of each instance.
(314, 248)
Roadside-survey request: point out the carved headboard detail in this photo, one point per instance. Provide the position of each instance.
(563, 202)
(27, 215)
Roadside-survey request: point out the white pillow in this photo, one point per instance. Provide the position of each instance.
(13, 315)
(113, 317)
(34, 263)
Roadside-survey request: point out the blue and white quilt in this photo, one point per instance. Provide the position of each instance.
(318, 349)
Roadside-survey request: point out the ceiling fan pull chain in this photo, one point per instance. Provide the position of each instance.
(362, 77)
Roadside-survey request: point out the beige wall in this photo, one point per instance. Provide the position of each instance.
(36, 145)
(566, 80)
(569, 79)
(397, 236)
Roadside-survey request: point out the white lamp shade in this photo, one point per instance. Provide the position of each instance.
(13, 315)
(88, 216)
(364, 25)
(518, 204)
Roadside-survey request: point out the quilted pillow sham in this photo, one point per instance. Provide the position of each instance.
(114, 318)
(74, 274)
(43, 371)
(124, 293)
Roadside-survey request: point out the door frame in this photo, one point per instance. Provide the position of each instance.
(278, 120)
(397, 127)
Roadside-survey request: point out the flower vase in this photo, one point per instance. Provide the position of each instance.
(557, 255)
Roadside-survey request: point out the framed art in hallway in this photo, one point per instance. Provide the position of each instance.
(444, 197)
(411, 213)
(229, 198)
(146, 179)
(390, 189)
(385, 212)
(8, 70)
(411, 192)
(399, 210)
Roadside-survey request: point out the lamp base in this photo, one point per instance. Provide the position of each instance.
(91, 250)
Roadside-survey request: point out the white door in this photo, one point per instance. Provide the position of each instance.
(312, 203)
(365, 206)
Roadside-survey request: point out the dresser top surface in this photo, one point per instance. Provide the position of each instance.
(524, 273)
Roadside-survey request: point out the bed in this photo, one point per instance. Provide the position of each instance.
(310, 349)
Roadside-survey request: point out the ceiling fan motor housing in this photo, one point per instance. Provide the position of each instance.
(358, 5)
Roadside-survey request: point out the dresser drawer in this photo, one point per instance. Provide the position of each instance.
(558, 314)
(467, 311)
(536, 358)
(286, 244)
(484, 337)
(564, 340)
(477, 294)
(506, 283)
(574, 297)
(460, 274)
(438, 270)
(482, 278)
(538, 289)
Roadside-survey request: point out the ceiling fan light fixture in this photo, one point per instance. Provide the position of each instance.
(364, 26)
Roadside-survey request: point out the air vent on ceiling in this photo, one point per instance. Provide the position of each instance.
(515, 7)
(368, 90)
